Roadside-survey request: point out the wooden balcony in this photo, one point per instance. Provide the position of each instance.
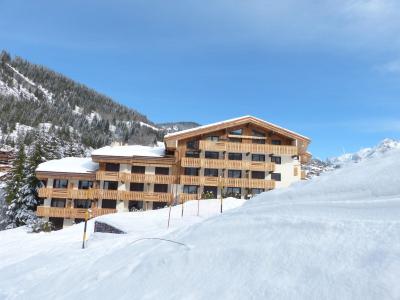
(232, 182)
(227, 164)
(187, 197)
(103, 194)
(68, 193)
(71, 213)
(132, 177)
(147, 178)
(248, 148)
(105, 175)
(146, 196)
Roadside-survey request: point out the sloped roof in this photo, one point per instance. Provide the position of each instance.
(234, 122)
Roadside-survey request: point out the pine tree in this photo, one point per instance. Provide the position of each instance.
(21, 202)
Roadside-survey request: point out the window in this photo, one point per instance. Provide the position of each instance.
(43, 183)
(110, 185)
(136, 187)
(158, 205)
(235, 156)
(162, 171)
(233, 192)
(192, 171)
(213, 138)
(257, 191)
(78, 220)
(234, 173)
(195, 154)
(82, 203)
(211, 172)
(236, 132)
(213, 190)
(211, 155)
(235, 140)
(192, 144)
(276, 176)
(85, 185)
(276, 159)
(161, 188)
(56, 202)
(138, 169)
(190, 189)
(60, 183)
(258, 157)
(276, 142)
(257, 174)
(106, 203)
(259, 134)
(258, 141)
(134, 205)
(112, 167)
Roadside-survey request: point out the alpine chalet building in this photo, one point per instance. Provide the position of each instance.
(240, 157)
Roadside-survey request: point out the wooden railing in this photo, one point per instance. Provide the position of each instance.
(303, 175)
(187, 197)
(227, 164)
(147, 178)
(248, 148)
(106, 175)
(132, 177)
(66, 193)
(103, 194)
(71, 213)
(232, 182)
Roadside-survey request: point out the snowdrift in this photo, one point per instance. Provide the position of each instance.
(334, 237)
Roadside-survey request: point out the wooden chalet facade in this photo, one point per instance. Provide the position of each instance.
(239, 157)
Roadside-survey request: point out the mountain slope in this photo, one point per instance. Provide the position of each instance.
(333, 237)
(172, 127)
(31, 95)
(317, 167)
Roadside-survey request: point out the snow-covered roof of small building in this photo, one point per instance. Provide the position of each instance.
(132, 150)
(69, 165)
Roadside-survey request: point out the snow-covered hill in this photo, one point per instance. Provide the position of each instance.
(365, 153)
(334, 237)
(317, 167)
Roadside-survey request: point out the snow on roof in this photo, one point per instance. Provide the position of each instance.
(131, 150)
(229, 121)
(69, 165)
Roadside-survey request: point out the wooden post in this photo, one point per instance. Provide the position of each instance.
(84, 229)
(221, 188)
(182, 207)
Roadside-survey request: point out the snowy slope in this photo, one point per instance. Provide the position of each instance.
(334, 237)
(365, 153)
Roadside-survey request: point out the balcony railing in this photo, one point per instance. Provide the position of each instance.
(232, 182)
(248, 148)
(104, 194)
(67, 193)
(132, 177)
(71, 213)
(227, 164)
(106, 175)
(147, 178)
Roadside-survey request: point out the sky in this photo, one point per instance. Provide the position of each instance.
(329, 70)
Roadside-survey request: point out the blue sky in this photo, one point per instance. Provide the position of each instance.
(327, 69)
